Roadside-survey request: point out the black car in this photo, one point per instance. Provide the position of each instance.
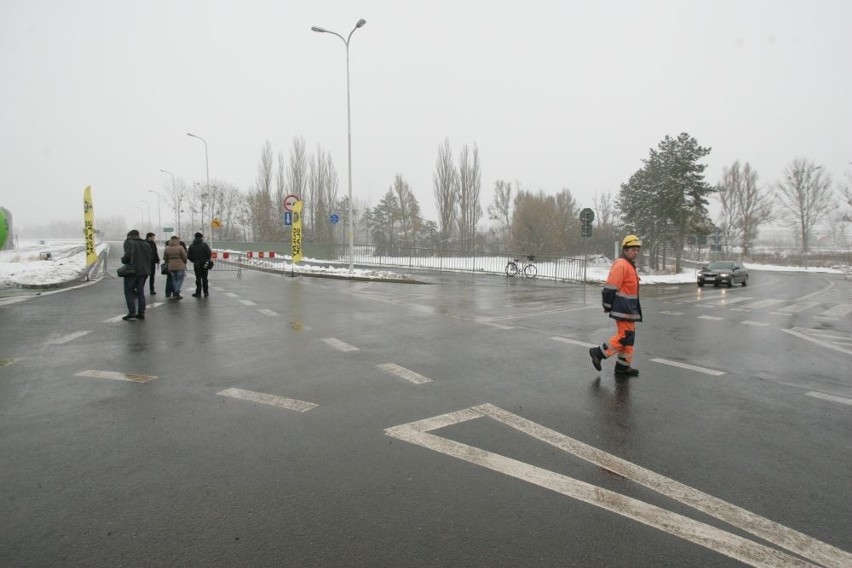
(723, 272)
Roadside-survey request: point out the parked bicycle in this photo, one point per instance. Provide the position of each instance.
(514, 266)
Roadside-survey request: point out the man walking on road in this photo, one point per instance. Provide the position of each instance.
(155, 260)
(137, 253)
(621, 302)
(199, 255)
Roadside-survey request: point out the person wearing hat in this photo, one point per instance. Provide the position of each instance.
(199, 255)
(621, 301)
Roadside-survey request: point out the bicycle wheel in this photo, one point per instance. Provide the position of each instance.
(511, 269)
(530, 271)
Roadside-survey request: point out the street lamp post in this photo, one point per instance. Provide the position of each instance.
(159, 210)
(317, 29)
(175, 201)
(207, 168)
(141, 214)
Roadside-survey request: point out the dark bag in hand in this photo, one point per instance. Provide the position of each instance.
(164, 268)
(126, 271)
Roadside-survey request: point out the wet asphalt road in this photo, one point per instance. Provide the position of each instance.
(738, 401)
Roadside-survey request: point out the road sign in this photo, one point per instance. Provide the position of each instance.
(168, 229)
(587, 215)
(215, 223)
(334, 218)
(289, 201)
(288, 218)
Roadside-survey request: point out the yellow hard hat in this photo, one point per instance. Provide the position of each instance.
(631, 241)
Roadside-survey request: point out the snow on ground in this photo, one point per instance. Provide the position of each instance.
(26, 266)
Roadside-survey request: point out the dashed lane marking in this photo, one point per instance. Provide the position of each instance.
(714, 318)
(232, 295)
(6, 362)
(830, 397)
(763, 304)
(339, 345)
(247, 303)
(755, 323)
(116, 376)
(268, 312)
(406, 374)
(269, 399)
(688, 367)
(574, 342)
(66, 338)
(710, 537)
(668, 313)
(492, 324)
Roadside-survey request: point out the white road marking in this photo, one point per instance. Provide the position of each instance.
(247, 303)
(714, 318)
(838, 311)
(492, 324)
(339, 345)
(269, 399)
(800, 307)
(406, 374)
(678, 525)
(816, 340)
(755, 323)
(232, 295)
(66, 338)
(729, 301)
(763, 304)
(688, 367)
(116, 376)
(268, 312)
(830, 397)
(6, 362)
(668, 313)
(113, 320)
(574, 342)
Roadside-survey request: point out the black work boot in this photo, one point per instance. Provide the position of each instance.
(625, 370)
(597, 356)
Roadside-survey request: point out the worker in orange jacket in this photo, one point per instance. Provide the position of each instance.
(621, 301)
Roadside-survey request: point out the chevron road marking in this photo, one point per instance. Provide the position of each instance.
(817, 340)
(718, 540)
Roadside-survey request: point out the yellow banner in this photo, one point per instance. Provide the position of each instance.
(89, 227)
(297, 231)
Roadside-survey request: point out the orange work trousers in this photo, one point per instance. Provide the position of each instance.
(621, 342)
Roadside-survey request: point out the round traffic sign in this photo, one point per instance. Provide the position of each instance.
(289, 201)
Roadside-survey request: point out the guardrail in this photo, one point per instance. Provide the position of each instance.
(566, 269)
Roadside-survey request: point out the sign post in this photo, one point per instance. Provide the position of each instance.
(297, 233)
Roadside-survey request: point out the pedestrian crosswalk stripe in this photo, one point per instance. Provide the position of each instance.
(339, 345)
(269, 399)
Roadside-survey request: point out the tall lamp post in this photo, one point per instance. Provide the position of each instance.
(174, 198)
(159, 211)
(317, 29)
(207, 168)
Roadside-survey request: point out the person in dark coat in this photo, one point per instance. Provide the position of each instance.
(199, 255)
(137, 253)
(154, 261)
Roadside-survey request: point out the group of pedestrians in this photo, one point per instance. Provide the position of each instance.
(142, 258)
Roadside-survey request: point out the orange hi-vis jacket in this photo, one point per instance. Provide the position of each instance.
(621, 291)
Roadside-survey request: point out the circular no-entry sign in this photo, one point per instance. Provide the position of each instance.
(289, 201)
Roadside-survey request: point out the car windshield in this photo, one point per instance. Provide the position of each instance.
(720, 266)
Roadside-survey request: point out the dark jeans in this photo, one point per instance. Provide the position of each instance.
(154, 268)
(200, 278)
(134, 293)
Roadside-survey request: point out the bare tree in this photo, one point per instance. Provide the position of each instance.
(805, 197)
(261, 203)
(322, 194)
(444, 181)
(744, 205)
(469, 185)
(408, 210)
(500, 212)
(297, 169)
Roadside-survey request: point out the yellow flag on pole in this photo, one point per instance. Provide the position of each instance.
(89, 227)
(297, 231)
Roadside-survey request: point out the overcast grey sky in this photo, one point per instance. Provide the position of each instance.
(556, 94)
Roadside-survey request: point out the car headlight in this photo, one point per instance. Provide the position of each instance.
(724, 274)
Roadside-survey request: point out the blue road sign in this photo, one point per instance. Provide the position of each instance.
(288, 218)
(334, 218)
